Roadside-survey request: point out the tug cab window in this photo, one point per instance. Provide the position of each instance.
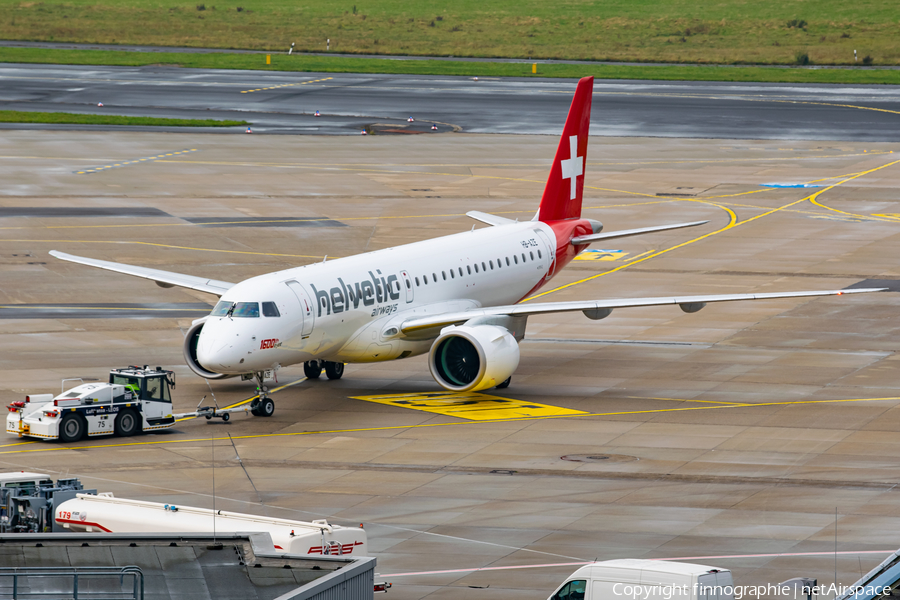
(130, 383)
(270, 310)
(157, 389)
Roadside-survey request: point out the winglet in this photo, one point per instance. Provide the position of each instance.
(563, 192)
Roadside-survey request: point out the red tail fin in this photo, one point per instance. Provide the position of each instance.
(562, 196)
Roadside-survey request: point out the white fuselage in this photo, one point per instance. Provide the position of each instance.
(347, 310)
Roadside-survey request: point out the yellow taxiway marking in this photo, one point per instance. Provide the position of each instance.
(132, 162)
(59, 448)
(657, 200)
(686, 400)
(18, 444)
(284, 85)
(472, 406)
(733, 223)
(814, 198)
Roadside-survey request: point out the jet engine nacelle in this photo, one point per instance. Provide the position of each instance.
(473, 358)
(190, 352)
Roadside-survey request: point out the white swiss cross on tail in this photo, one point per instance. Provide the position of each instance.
(572, 167)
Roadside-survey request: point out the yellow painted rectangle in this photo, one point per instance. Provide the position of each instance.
(472, 406)
(602, 255)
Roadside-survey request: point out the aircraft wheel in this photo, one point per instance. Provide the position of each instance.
(312, 369)
(72, 428)
(505, 384)
(334, 370)
(266, 408)
(127, 423)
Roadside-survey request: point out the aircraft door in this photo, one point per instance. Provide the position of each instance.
(306, 311)
(407, 283)
(551, 251)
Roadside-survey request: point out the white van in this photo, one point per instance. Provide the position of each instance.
(635, 579)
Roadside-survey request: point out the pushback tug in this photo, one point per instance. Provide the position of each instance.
(135, 399)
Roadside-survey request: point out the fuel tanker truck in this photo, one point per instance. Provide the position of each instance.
(106, 513)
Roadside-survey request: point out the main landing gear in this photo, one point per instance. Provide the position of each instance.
(263, 406)
(505, 384)
(313, 369)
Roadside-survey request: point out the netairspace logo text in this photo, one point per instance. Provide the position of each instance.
(670, 592)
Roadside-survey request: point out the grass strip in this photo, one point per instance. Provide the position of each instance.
(337, 64)
(755, 32)
(18, 116)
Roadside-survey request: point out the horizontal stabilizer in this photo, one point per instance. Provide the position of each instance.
(488, 218)
(163, 278)
(597, 237)
(598, 307)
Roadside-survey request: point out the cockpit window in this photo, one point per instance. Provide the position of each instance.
(246, 309)
(221, 309)
(270, 310)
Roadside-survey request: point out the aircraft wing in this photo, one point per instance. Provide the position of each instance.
(598, 309)
(597, 237)
(162, 278)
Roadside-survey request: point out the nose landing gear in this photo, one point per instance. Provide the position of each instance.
(263, 406)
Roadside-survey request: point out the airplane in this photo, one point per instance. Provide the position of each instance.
(457, 297)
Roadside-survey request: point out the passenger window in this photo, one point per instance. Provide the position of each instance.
(417, 282)
(490, 262)
(246, 309)
(221, 309)
(434, 277)
(476, 267)
(469, 269)
(425, 280)
(515, 259)
(574, 590)
(531, 254)
(507, 261)
(444, 275)
(408, 285)
(523, 257)
(270, 310)
(460, 272)
(539, 254)
(483, 267)
(452, 274)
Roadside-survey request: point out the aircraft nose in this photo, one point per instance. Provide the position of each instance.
(216, 350)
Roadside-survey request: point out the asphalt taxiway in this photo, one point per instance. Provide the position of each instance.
(732, 434)
(286, 102)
